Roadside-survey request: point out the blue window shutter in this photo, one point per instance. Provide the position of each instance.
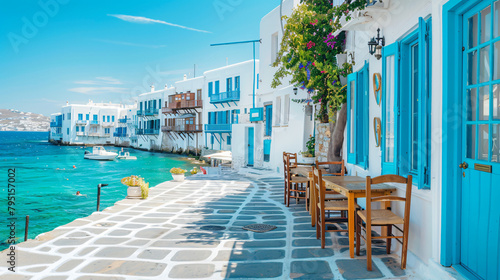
(217, 87)
(390, 50)
(351, 79)
(366, 114)
(210, 89)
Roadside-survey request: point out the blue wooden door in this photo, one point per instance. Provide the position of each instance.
(269, 120)
(250, 145)
(480, 217)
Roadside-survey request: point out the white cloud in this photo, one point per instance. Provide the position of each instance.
(144, 20)
(175, 72)
(100, 81)
(132, 44)
(98, 90)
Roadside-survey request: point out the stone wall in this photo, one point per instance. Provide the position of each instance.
(322, 141)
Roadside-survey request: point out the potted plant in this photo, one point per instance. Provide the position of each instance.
(178, 174)
(309, 155)
(194, 171)
(137, 187)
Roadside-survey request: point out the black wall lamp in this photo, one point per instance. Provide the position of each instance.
(375, 45)
(295, 90)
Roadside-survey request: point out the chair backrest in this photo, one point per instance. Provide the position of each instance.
(320, 187)
(329, 163)
(292, 157)
(388, 179)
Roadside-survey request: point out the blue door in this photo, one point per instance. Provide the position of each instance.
(480, 165)
(250, 146)
(269, 120)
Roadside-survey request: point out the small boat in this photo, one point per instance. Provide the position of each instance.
(125, 155)
(99, 153)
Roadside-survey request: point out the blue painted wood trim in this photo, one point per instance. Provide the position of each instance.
(452, 134)
(351, 157)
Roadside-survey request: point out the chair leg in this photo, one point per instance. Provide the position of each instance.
(358, 233)
(288, 195)
(388, 242)
(405, 249)
(318, 225)
(368, 248)
(307, 197)
(323, 229)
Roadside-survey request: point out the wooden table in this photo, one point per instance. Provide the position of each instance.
(354, 187)
(306, 171)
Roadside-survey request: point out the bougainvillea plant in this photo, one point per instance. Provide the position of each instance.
(308, 49)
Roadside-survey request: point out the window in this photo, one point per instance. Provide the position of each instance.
(80, 117)
(277, 114)
(159, 103)
(198, 94)
(229, 139)
(154, 104)
(87, 116)
(63, 117)
(108, 119)
(237, 83)
(267, 150)
(95, 117)
(217, 87)
(67, 131)
(210, 89)
(269, 120)
(286, 109)
(258, 81)
(69, 116)
(406, 106)
(83, 128)
(140, 106)
(274, 47)
(113, 118)
(103, 118)
(357, 117)
(234, 117)
(229, 84)
(77, 129)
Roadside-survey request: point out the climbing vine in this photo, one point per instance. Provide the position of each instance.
(308, 49)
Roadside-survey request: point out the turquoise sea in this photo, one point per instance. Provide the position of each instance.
(46, 182)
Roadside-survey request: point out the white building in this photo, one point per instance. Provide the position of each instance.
(183, 125)
(262, 137)
(229, 95)
(92, 123)
(55, 134)
(149, 135)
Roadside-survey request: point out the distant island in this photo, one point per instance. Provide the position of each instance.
(15, 120)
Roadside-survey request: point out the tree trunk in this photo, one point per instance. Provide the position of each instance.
(337, 139)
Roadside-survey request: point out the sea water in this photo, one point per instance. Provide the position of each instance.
(47, 178)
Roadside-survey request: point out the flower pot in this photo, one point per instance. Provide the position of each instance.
(306, 160)
(178, 177)
(134, 192)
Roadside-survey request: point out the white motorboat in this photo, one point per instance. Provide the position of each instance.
(125, 155)
(99, 153)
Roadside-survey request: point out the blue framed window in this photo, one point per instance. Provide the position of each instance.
(83, 128)
(159, 103)
(87, 116)
(229, 84)
(77, 129)
(269, 120)
(217, 87)
(406, 106)
(237, 83)
(113, 118)
(67, 131)
(108, 119)
(210, 89)
(103, 118)
(357, 117)
(229, 139)
(234, 116)
(80, 117)
(94, 117)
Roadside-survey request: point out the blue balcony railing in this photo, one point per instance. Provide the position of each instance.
(119, 134)
(225, 96)
(124, 120)
(81, 122)
(151, 111)
(222, 128)
(55, 124)
(140, 112)
(151, 131)
(139, 131)
(94, 122)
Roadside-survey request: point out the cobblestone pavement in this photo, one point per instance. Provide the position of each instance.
(165, 237)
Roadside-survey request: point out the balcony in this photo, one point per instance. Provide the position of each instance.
(220, 128)
(151, 131)
(94, 122)
(108, 124)
(81, 122)
(139, 131)
(225, 97)
(151, 111)
(119, 134)
(93, 134)
(56, 135)
(124, 120)
(189, 128)
(140, 112)
(80, 134)
(181, 105)
(55, 124)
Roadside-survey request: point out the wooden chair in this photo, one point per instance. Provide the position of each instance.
(322, 206)
(384, 217)
(295, 185)
(332, 195)
(285, 158)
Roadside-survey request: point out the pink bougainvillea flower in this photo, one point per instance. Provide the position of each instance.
(310, 45)
(314, 22)
(314, 64)
(323, 72)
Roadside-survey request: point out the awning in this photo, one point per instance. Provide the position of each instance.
(222, 156)
(185, 116)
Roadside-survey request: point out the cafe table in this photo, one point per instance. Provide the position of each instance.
(352, 187)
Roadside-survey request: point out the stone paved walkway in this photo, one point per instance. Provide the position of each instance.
(163, 238)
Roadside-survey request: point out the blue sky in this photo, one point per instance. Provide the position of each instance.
(76, 50)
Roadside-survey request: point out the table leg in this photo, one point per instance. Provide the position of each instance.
(351, 212)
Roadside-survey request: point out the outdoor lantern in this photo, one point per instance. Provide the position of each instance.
(295, 90)
(375, 45)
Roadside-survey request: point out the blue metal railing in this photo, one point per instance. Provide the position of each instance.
(151, 131)
(218, 127)
(139, 131)
(119, 134)
(94, 122)
(55, 124)
(151, 111)
(124, 120)
(225, 96)
(140, 112)
(81, 122)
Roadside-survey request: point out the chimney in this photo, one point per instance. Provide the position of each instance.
(152, 88)
(166, 86)
(185, 77)
(67, 103)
